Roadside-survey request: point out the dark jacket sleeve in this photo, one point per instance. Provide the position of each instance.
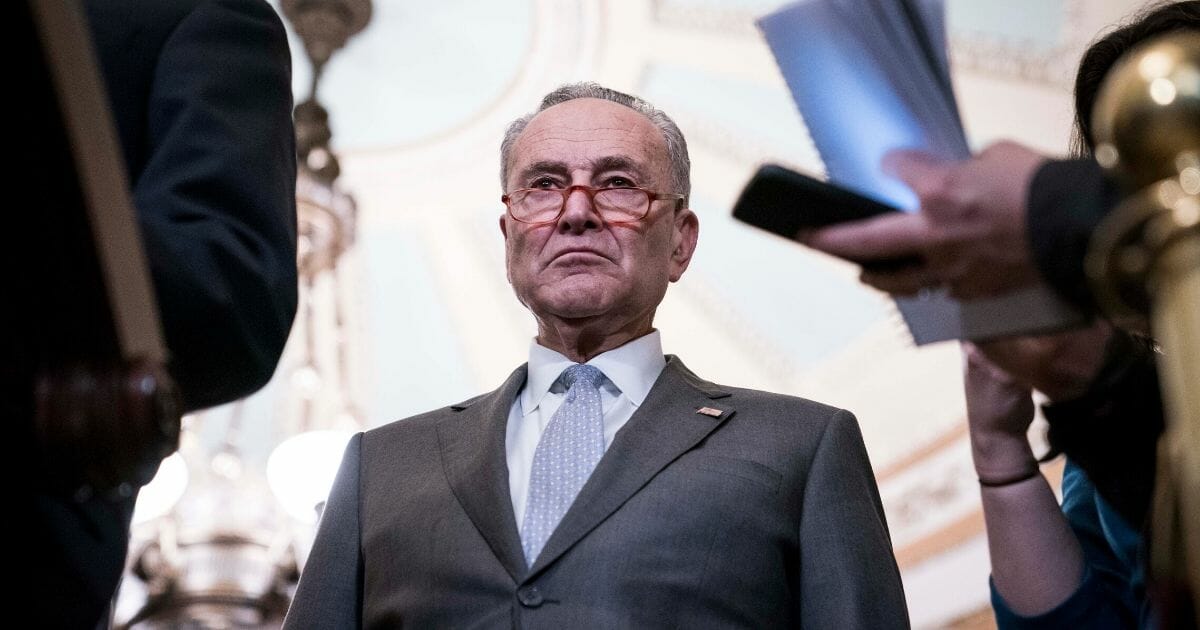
(1067, 200)
(329, 595)
(216, 198)
(201, 93)
(848, 576)
(1112, 431)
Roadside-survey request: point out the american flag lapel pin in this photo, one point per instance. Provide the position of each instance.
(709, 411)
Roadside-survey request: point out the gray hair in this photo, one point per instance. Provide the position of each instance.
(677, 153)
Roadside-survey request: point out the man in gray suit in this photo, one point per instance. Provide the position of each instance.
(603, 485)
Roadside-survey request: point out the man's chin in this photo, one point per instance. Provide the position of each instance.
(576, 310)
(575, 305)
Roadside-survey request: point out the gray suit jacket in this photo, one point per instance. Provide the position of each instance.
(766, 516)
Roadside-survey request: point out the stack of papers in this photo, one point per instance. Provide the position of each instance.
(870, 76)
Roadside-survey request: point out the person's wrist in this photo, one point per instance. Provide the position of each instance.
(1011, 479)
(1002, 456)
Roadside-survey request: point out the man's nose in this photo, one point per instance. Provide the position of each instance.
(579, 213)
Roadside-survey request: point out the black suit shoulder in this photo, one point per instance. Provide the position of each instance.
(129, 36)
(201, 94)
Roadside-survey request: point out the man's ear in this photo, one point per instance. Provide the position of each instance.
(685, 232)
(504, 231)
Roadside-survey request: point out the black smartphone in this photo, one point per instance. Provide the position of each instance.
(784, 202)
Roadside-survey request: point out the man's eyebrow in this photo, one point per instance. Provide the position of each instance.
(599, 165)
(550, 167)
(617, 163)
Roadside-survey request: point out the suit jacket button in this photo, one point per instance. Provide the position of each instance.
(530, 597)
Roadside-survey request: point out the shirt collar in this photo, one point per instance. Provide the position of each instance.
(633, 368)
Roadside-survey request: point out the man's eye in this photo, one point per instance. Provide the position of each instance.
(544, 182)
(618, 182)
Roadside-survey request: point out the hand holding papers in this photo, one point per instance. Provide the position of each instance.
(871, 77)
(974, 252)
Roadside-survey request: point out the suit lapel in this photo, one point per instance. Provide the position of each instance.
(475, 460)
(666, 426)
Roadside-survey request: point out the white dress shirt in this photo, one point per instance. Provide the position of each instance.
(629, 373)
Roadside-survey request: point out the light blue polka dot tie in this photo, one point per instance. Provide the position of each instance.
(568, 451)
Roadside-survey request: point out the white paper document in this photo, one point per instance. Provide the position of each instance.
(870, 76)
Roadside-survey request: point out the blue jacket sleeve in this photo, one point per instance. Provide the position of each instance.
(1111, 595)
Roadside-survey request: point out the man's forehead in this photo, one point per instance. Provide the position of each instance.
(582, 126)
(597, 165)
(582, 112)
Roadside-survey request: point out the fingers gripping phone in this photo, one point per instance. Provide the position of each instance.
(784, 202)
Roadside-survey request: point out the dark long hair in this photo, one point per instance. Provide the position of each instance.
(1157, 19)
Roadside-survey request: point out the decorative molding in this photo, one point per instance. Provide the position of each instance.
(1024, 60)
(952, 535)
(922, 452)
(724, 20)
(739, 147)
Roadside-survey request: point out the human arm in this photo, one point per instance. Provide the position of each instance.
(330, 591)
(970, 232)
(1051, 567)
(217, 223)
(1005, 219)
(1037, 562)
(1105, 411)
(982, 225)
(1111, 594)
(216, 198)
(848, 576)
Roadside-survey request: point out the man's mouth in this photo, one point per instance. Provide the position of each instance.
(577, 256)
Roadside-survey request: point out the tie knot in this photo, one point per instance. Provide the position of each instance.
(582, 373)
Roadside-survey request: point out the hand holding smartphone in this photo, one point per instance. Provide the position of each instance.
(784, 202)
